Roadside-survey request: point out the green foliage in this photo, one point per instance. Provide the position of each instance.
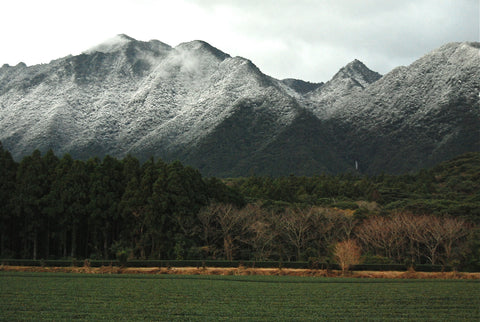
(122, 256)
(65, 208)
(260, 298)
(8, 170)
(452, 187)
(59, 208)
(345, 205)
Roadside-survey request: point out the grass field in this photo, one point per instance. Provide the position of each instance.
(60, 296)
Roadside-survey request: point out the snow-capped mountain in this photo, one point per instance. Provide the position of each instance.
(352, 78)
(415, 116)
(127, 96)
(221, 114)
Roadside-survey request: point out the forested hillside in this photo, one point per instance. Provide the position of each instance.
(99, 209)
(452, 187)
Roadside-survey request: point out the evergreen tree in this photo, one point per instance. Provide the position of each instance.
(106, 190)
(47, 204)
(8, 169)
(70, 194)
(186, 194)
(154, 217)
(218, 192)
(131, 204)
(31, 187)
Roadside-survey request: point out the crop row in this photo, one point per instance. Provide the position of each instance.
(47, 296)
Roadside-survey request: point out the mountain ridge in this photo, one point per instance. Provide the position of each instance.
(420, 103)
(220, 113)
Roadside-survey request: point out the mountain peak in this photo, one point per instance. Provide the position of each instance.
(359, 72)
(125, 37)
(356, 64)
(195, 45)
(112, 44)
(19, 65)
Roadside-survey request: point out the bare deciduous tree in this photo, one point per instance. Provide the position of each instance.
(429, 235)
(260, 230)
(376, 233)
(347, 253)
(330, 226)
(209, 229)
(453, 230)
(230, 221)
(296, 226)
(404, 235)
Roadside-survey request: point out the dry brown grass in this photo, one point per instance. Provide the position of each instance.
(243, 271)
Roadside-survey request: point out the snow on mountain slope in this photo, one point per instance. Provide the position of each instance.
(419, 114)
(223, 115)
(352, 78)
(86, 91)
(427, 84)
(300, 86)
(127, 96)
(196, 90)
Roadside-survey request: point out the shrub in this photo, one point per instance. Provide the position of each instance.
(122, 257)
(376, 259)
(346, 205)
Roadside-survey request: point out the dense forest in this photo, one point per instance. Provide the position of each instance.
(55, 207)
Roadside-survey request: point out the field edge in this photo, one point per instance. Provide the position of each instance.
(244, 271)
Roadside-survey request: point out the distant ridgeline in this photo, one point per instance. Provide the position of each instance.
(103, 209)
(223, 116)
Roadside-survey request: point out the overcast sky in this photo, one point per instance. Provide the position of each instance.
(306, 39)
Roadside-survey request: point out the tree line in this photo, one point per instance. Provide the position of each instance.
(313, 233)
(59, 207)
(101, 209)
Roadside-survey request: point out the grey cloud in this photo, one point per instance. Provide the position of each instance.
(383, 34)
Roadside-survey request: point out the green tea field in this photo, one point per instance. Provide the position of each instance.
(60, 296)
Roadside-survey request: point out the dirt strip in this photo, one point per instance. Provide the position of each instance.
(243, 271)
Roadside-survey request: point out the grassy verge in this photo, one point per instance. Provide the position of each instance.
(245, 271)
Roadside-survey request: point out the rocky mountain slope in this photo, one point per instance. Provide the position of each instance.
(415, 116)
(223, 115)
